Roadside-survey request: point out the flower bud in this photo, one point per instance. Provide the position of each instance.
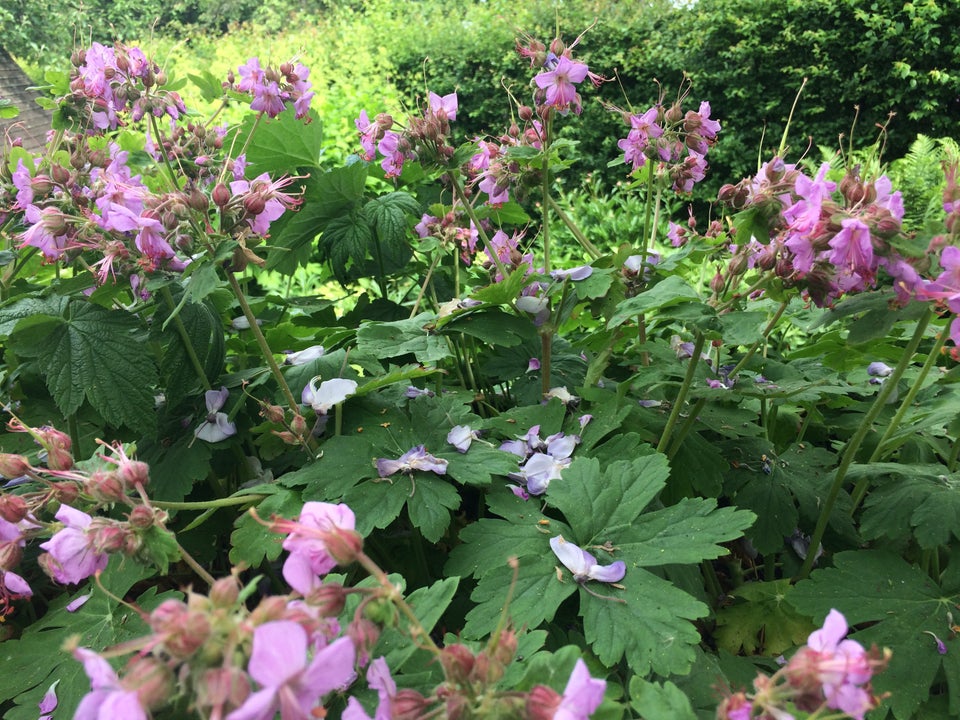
(142, 517)
(270, 608)
(13, 466)
(408, 705)
(225, 592)
(486, 670)
(13, 508)
(457, 661)
(525, 113)
(105, 486)
(221, 195)
(506, 647)
(327, 599)
(364, 634)
(150, 679)
(343, 545)
(223, 686)
(106, 538)
(65, 492)
(542, 703)
(60, 174)
(298, 425)
(254, 204)
(133, 473)
(10, 555)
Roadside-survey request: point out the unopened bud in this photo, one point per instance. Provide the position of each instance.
(225, 592)
(486, 670)
(60, 174)
(105, 486)
(364, 634)
(674, 114)
(221, 195)
(408, 705)
(10, 555)
(457, 661)
(717, 283)
(65, 492)
(254, 204)
(13, 508)
(343, 545)
(270, 608)
(506, 647)
(198, 201)
(525, 113)
(142, 517)
(134, 473)
(228, 686)
(298, 425)
(542, 703)
(13, 466)
(150, 679)
(328, 599)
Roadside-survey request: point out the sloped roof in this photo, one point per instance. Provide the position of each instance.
(33, 122)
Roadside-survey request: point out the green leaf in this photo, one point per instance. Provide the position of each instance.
(39, 310)
(479, 464)
(495, 327)
(615, 499)
(537, 594)
(346, 242)
(488, 543)
(377, 503)
(777, 515)
(664, 702)
(430, 504)
(282, 145)
(402, 337)
(899, 603)
(204, 332)
(97, 354)
(688, 532)
(648, 623)
(669, 292)
(503, 292)
(326, 195)
(761, 622)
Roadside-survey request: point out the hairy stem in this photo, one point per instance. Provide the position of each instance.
(850, 451)
(185, 339)
(682, 394)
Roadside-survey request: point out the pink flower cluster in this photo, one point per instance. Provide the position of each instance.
(677, 141)
(274, 90)
(560, 74)
(825, 245)
(108, 81)
(828, 672)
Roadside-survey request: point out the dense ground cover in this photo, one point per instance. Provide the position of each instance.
(532, 452)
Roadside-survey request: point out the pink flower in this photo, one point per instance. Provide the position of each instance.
(289, 683)
(71, 557)
(319, 534)
(217, 425)
(559, 84)
(108, 698)
(839, 669)
(443, 107)
(378, 678)
(582, 695)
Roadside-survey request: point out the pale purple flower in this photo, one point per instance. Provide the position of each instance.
(413, 391)
(49, 702)
(78, 602)
(642, 129)
(13, 587)
(879, 369)
(217, 425)
(583, 565)
(559, 84)
(533, 365)
(290, 683)
(581, 272)
(328, 394)
(378, 678)
(302, 357)
(416, 458)
(538, 470)
(582, 695)
(461, 436)
(107, 698)
(71, 557)
(443, 107)
(309, 558)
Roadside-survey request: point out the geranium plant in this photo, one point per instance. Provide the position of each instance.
(498, 478)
